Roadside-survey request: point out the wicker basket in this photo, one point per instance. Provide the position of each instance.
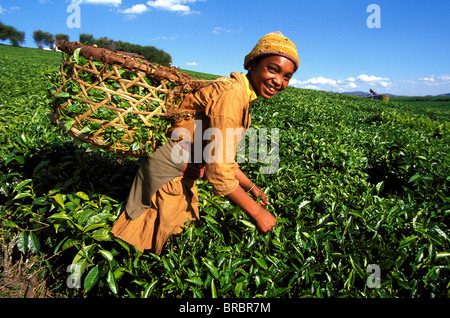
(116, 102)
(384, 97)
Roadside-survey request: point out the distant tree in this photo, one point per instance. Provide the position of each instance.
(10, 33)
(150, 53)
(105, 43)
(61, 36)
(87, 39)
(42, 39)
(126, 47)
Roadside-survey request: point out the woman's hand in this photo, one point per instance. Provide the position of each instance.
(257, 192)
(265, 221)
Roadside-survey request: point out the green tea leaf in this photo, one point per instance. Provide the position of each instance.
(60, 216)
(213, 269)
(407, 240)
(60, 198)
(248, 224)
(101, 235)
(414, 177)
(196, 280)
(91, 279)
(33, 243)
(22, 184)
(148, 291)
(442, 254)
(63, 95)
(83, 195)
(107, 255)
(213, 289)
(68, 123)
(261, 262)
(22, 242)
(76, 55)
(112, 282)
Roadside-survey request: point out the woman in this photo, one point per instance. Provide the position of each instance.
(374, 94)
(164, 194)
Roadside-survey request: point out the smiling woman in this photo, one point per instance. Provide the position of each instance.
(271, 64)
(160, 204)
(270, 75)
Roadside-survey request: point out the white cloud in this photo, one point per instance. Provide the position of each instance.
(320, 81)
(431, 84)
(312, 87)
(173, 5)
(159, 37)
(371, 79)
(136, 9)
(218, 30)
(350, 83)
(433, 80)
(10, 10)
(191, 63)
(114, 3)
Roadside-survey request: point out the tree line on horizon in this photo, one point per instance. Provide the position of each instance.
(45, 39)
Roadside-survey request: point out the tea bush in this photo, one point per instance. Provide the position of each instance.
(359, 182)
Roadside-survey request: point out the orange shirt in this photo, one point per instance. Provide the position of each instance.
(222, 115)
(161, 201)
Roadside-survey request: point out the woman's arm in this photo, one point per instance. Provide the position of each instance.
(265, 221)
(263, 218)
(250, 187)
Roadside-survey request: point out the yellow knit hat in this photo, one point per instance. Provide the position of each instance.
(274, 43)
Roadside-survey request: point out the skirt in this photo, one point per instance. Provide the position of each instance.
(173, 205)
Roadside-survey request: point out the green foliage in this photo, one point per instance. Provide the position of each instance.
(87, 39)
(61, 36)
(360, 182)
(150, 53)
(430, 106)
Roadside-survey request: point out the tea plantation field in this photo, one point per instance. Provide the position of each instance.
(361, 192)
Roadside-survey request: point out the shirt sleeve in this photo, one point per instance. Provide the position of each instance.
(225, 114)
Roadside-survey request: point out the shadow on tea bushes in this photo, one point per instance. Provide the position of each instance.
(62, 199)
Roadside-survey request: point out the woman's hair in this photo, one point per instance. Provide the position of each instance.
(274, 43)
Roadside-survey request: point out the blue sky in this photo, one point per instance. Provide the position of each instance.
(408, 54)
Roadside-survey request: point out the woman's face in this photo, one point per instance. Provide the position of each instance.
(270, 75)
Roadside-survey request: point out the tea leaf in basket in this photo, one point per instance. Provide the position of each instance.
(67, 122)
(76, 55)
(63, 95)
(135, 146)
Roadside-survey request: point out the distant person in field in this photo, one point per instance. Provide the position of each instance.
(374, 94)
(163, 197)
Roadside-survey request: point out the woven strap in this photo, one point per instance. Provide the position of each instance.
(131, 64)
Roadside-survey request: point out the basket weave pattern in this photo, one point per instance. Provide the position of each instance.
(116, 102)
